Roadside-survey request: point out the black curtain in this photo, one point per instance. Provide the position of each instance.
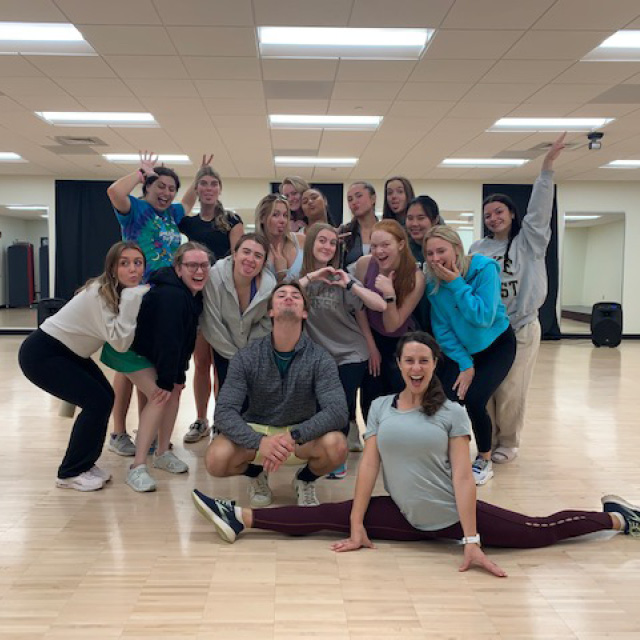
(86, 227)
(520, 194)
(333, 192)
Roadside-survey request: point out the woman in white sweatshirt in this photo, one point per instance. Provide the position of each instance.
(57, 358)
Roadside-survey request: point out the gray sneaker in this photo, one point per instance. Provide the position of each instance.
(121, 444)
(353, 438)
(482, 470)
(259, 492)
(140, 480)
(170, 462)
(305, 492)
(198, 430)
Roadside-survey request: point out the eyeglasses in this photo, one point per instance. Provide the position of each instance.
(192, 267)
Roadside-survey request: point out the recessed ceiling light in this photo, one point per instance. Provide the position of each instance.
(134, 158)
(549, 124)
(39, 38)
(26, 207)
(466, 215)
(98, 118)
(576, 218)
(342, 42)
(622, 164)
(44, 215)
(483, 162)
(622, 45)
(456, 222)
(351, 123)
(10, 156)
(465, 228)
(311, 161)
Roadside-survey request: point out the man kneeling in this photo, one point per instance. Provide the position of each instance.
(295, 407)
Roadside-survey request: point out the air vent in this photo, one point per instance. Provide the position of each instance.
(70, 150)
(537, 150)
(80, 141)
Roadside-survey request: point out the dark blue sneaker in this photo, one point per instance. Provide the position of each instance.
(221, 513)
(628, 511)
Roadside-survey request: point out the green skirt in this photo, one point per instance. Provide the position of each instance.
(126, 362)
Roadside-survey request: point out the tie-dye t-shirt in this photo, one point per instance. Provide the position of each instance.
(155, 231)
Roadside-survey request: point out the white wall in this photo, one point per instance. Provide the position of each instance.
(573, 265)
(603, 263)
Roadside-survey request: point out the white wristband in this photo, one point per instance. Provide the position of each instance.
(471, 539)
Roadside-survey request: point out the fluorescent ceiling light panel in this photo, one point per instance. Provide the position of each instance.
(549, 124)
(483, 162)
(621, 46)
(134, 158)
(466, 215)
(42, 38)
(10, 156)
(25, 207)
(576, 218)
(97, 119)
(342, 42)
(622, 164)
(456, 222)
(349, 123)
(310, 161)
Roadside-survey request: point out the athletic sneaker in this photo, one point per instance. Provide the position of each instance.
(305, 492)
(259, 492)
(198, 430)
(170, 462)
(630, 513)
(86, 481)
(482, 470)
(140, 480)
(96, 471)
(121, 444)
(338, 473)
(222, 513)
(353, 437)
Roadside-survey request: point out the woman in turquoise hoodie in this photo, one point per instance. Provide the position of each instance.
(472, 327)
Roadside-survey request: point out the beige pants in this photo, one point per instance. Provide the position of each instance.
(507, 405)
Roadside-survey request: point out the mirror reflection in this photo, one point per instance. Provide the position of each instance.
(592, 266)
(24, 264)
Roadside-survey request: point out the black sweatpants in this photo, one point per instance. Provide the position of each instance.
(351, 376)
(54, 368)
(491, 368)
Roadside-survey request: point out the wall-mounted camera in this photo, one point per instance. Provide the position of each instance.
(595, 140)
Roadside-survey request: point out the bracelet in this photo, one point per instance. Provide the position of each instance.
(350, 284)
(389, 299)
(471, 539)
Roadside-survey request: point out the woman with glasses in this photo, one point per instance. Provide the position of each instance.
(520, 247)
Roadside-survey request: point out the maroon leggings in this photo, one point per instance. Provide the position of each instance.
(383, 520)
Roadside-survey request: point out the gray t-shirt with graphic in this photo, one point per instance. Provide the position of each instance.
(414, 450)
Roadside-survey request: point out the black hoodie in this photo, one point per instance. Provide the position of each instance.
(167, 325)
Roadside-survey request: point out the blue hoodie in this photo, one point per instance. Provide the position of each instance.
(467, 314)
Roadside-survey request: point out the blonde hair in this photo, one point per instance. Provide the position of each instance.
(298, 183)
(308, 261)
(446, 233)
(265, 208)
(109, 287)
(178, 256)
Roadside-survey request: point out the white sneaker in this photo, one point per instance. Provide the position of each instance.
(259, 492)
(103, 474)
(86, 481)
(305, 492)
(482, 470)
(170, 462)
(197, 430)
(353, 437)
(140, 480)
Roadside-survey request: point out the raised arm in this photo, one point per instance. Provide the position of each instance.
(119, 191)
(190, 197)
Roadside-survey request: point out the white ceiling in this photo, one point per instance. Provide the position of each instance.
(194, 64)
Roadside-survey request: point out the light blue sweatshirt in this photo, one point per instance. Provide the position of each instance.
(467, 314)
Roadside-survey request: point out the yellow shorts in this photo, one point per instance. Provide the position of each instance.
(268, 430)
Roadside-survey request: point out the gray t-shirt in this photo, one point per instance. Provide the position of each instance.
(331, 322)
(414, 450)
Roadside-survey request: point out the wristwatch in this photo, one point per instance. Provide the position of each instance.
(389, 299)
(471, 539)
(296, 435)
(350, 284)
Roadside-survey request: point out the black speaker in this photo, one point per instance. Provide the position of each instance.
(48, 306)
(606, 324)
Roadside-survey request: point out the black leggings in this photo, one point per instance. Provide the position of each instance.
(54, 368)
(497, 527)
(351, 377)
(491, 368)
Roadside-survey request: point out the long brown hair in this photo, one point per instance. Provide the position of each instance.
(221, 217)
(265, 208)
(308, 261)
(387, 213)
(405, 279)
(109, 288)
(446, 233)
(434, 397)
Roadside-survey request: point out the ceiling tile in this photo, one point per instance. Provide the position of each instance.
(161, 67)
(556, 45)
(249, 89)
(18, 66)
(366, 90)
(421, 108)
(492, 110)
(32, 11)
(284, 139)
(399, 13)
(30, 87)
(112, 12)
(259, 123)
(434, 91)
(277, 105)
(345, 143)
(598, 73)
(7, 104)
(302, 12)
(374, 70)
(467, 45)
(533, 71)
(157, 140)
(234, 106)
(489, 92)
(318, 70)
(556, 110)
(577, 93)
(111, 104)
(622, 94)
(492, 14)
(211, 68)
(60, 102)
(231, 13)
(72, 66)
(588, 14)
(127, 40)
(297, 90)
(603, 111)
(175, 105)
(357, 107)
(90, 88)
(428, 70)
(152, 88)
(214, 41)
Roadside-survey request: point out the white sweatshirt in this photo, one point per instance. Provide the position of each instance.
(85, 323)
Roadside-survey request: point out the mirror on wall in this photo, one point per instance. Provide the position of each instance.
(24, 264)
(592, 266)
